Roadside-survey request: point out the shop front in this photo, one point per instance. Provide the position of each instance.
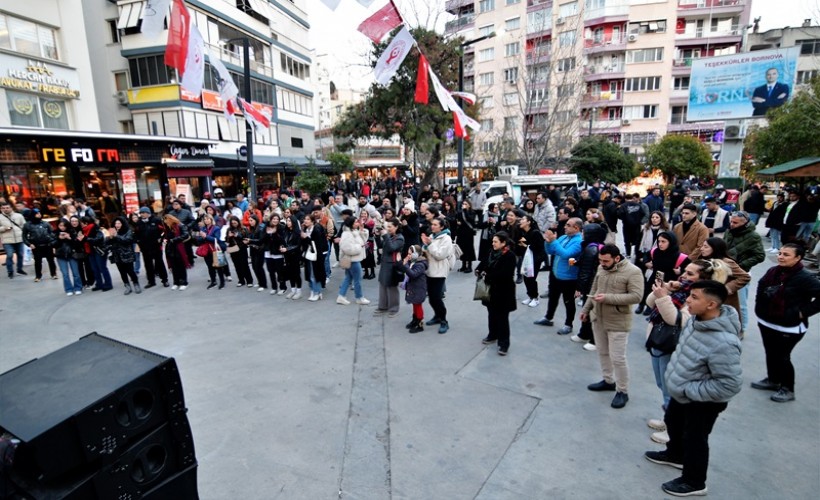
(42, 167)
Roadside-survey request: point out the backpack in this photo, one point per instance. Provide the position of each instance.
(681, 257)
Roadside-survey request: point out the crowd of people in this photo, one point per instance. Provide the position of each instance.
(682, 266)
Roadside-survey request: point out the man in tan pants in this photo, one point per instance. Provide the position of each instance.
(618, 285)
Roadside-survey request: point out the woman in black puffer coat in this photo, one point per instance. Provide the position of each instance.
(121, 245)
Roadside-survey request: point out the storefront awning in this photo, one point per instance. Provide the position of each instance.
(201, 167)
(267, 163)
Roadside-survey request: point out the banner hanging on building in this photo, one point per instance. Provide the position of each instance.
(741, 85)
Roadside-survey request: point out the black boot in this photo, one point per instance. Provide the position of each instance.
(418, 326)
(469, 268)
(639, 309)
(411, 324)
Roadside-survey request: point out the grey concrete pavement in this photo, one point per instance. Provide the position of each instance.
(299, 400)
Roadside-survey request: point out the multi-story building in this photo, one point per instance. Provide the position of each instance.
(805, 36)
(562, 69)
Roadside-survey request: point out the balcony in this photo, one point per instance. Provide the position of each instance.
(469, 68)
(603, 99)
(539, 3)
(538, 56)
(679, 97)
(682, 67)
(618, 10)
(604, 71)
(599, 44)
(604, 125)
(462, 23)
(235, 58)
(679, 125)
(701, 36)
(710, 7)
(452, 6)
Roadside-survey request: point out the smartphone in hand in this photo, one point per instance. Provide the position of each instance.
(659, 277)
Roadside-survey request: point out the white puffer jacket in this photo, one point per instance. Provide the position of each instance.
(441, 254)
(353, 243)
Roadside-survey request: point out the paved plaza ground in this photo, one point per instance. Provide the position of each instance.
(300, 400)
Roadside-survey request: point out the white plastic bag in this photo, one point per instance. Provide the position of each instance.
(528, 265)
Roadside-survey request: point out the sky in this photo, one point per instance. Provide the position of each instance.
(334, 32)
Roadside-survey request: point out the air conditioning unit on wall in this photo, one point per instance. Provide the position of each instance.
(559, 21)
(734, 133)
(122, 97)
(633, 37)
(624, 122)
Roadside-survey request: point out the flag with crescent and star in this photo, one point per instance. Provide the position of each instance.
(381, 23)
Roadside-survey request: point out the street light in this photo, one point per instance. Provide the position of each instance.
(461, 89)
(246, 66)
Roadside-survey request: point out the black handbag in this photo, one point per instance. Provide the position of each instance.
(664, 337)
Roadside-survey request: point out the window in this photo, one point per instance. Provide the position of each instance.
(567, 64)
(568, 9)
(643, 83)
(644, 55)
(112, 29)
(487, 146)
(539, 20)
(512, 2)
(121, 80)
(512, 24)
(567, 38)
(595, 4)
(678, 115)
(296, 142)
(563, 116)
(27, 110)
(638, 138)
(511, 75)
(295, 68)
(486, 125)
(150, 70)
(486, 5)
(540, 73)
(805, 76)
(565, 90)
(486, 79)
(510, 98)
(537, 97)
(640, 112)
(512, 49)
(486, 102)
(809, 47)
(681, 83)
(510, 122)
(658, 26)
(27, 37)
(486, 54)
(486, 30)
(294, 102)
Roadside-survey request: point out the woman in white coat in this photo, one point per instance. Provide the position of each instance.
(352, 247)
(441, 256)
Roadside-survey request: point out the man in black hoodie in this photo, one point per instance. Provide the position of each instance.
(148, 234)
(633, 214)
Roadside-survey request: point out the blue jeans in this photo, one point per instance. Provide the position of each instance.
(775, 235)
(13, 249)
(327, 263)
(137, 261)
(743, 297)
(754, 218)
(315, 286)
(804, 233)
(353, 274)
(659, 365)
(99, 266)
(65, 267)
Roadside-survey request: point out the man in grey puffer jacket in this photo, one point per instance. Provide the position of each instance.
(703, 375)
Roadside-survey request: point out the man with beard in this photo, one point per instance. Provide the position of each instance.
(367, 207)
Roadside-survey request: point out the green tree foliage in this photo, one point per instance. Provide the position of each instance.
(391, 110)
(680, 156)
(792, 132)
(340, 163)
(310, 179)
(595, 158)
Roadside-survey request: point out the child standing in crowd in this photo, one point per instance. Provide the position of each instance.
(415, 285)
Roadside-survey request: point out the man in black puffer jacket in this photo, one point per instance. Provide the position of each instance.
(148, 234)
(38, 236)
(594, 236)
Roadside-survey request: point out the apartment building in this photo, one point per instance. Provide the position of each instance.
(806, 36)
(559, 70)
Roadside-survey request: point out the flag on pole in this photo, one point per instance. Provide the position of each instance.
(176, 50)
(393, 56)
(465, 96)
(256, 117)
(227, 88)
(153, 17)
(331, 4)
(380, 23)
(193, 75)
(443, 95)
(422, 85)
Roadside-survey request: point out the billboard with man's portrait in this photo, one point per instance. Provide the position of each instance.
(743, 85)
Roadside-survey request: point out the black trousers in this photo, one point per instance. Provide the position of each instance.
(585, 332)
(86, 274)
(40, 253)
(498, 324)
(779, 346)
(127, 272)
(632, 238)
(213, 271)
(435, 290)
(179, 271)
(154, 265)
(243, 270)
(530, 283)
(689, 426)
(258, 266)
(276, 270)
(561, 289)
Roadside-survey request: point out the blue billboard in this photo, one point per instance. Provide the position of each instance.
(741, 85)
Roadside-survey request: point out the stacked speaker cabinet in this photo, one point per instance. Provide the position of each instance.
(97, 419)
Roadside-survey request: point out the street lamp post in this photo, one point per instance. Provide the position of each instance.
(460, 146)
(246, 89)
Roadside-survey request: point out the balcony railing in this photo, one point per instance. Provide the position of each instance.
(734, 30)
(705, 4)
(454, 5)
(457, 24)
(602, 97)
(236, 58)
(604, 69)
(684, 62)
(619, 10)
(605, 41)
(604, 124)
(534, 3)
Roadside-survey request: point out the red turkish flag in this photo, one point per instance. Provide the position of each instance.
(176, 51)
(380, 23)
(422, 84)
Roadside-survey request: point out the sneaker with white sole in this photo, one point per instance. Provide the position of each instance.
(297, 295)
(526, 301)
(69, 294)
(590, 347)
(660, 437)
(175, 287)
(656, 423)
(362, 301)
(534, 303)
(335, 265)
(183, 288)
(577, 339)
(78, 292)
(281, 292)
(342, 301)
(565, 330)
(290, 294)
(663, 458)
(260, 289)
(680, 488)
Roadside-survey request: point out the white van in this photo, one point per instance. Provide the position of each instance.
(518, 186)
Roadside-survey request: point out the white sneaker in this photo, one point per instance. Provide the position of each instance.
(175, 287)
(327, 280)
(534, 303)
(230, 279)
(661, 437)
(297, 295)
(183, 288)
(250, 285)
(260, 289)
(577, 339)
(526, 301)
(335, 264)
(657, 424)
(290, 294)
(281, 292)
(362, 301)
(69, 294)
(342, 301)
(590, 347)
(313, 297)
(78, 292)
(272, 292)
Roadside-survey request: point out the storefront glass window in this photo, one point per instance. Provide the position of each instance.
(54, 113)
(28, 110)
(43, 185)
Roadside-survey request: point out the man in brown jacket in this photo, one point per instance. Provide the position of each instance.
(618, 286)
(691, 232)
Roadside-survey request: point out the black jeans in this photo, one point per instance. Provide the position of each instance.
(779, 346)
(689, 426)
(435, 289)
(498, 324)
(258, 266)
(86, 273)
(179, 271)
(632, 238)
(154, 265)
(40, 253)
(585, 332)
(530, 283)
(127, 272)
(213, 271)
(276, 269)
(559, 289)
(240, 263)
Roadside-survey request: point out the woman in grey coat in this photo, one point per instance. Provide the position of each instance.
(388, 278)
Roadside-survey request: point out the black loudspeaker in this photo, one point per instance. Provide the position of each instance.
(78, 409)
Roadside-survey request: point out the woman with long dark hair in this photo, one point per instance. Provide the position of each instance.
(352, 243)
(80, 256)
(369, 262)
(255, 239)
(488, 222)
(533, 239)
(314, 239)
(93, 239)
(238, 250)
(292, 250)
(176, 234)
(274, 256)
(787, 296)
(465, 236)
(65, 248)
(666, 258)
(121, 244)
(716, 249)
(209, 237)
(498, 272)
(393, 243)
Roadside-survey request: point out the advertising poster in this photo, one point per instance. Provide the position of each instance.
(741, 85)
(129, 190)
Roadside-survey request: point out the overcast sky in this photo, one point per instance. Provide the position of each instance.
(334, 32)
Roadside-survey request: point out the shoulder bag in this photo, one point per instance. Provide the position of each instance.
(310, 253)
(664, 337)
(482, 290)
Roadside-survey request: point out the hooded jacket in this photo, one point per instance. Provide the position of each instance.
(594, 236)
(745, 246)
(705, 366)
(623, 286)
(440, 251)
(38, 232)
